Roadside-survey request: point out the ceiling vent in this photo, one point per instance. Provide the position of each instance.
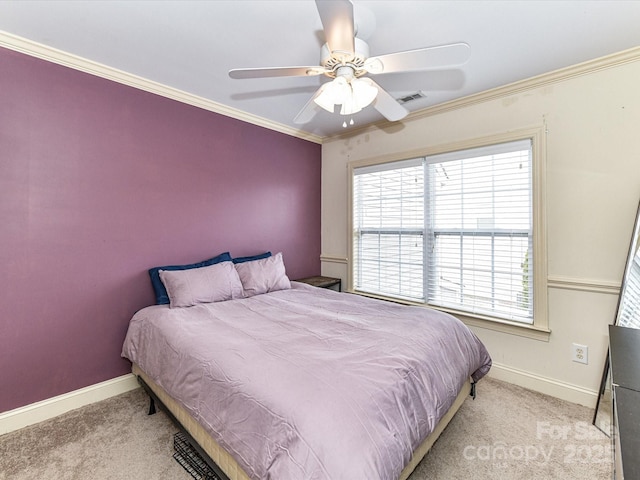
(410, 98)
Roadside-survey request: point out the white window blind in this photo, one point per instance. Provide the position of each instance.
(451, 230)
(629, 309)
(388, 216)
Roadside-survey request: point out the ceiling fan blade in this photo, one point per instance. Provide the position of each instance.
(310, 108)
(276, 72)
(420, 59)
(337, 21)
(386, 104)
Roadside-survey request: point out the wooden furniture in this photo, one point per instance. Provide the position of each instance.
(624, 353)
(323, 282)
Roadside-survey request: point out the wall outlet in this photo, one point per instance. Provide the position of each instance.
(579, 353)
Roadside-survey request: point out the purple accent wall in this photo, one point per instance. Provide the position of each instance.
(98, 183)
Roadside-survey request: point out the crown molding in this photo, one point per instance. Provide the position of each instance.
(53, 55)
(50, 54)
(556, 76)
(585, 68)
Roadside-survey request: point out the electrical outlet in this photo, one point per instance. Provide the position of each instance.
(579, 353)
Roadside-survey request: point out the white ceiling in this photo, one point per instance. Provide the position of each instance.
(191, 45)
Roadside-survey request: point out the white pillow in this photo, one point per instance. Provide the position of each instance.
(263, 276)
(213, 283)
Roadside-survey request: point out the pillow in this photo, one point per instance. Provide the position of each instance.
(213, 283)
(263, 276)
(252, 258)
(158, 287)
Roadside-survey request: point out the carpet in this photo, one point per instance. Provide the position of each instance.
(507, 432)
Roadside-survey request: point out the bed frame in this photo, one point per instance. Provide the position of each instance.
(225, 466)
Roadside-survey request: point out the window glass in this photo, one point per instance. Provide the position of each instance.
(451, 230)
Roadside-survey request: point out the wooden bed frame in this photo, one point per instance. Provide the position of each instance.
(223, 464)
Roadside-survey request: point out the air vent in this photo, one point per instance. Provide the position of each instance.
(413, 96)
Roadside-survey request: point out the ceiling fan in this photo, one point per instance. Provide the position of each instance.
(345, 58)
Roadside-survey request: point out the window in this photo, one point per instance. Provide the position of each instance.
(388, 207)
(453, 230)
(629, 309)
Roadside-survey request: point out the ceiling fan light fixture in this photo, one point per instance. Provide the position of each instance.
(363, 92)
(350, 106)
(325, 99)
(353, 95)
(333, 93)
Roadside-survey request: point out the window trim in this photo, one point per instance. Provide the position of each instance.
(539, 329)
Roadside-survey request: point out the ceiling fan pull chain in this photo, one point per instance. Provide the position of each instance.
(344, 124)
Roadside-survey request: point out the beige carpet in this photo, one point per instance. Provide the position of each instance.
(506, 433)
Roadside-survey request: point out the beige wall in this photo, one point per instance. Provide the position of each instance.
(592, 118)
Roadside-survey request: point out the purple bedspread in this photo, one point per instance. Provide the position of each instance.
(309, 383)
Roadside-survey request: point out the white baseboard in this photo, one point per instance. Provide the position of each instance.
(52, 407)
(548, 386)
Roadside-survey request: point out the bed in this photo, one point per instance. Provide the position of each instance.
(300, 382)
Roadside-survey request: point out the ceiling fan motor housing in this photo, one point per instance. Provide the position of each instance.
(334, 61)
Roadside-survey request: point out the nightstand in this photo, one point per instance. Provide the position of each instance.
(322, 282)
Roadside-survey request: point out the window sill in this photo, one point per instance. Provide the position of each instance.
(504, 326)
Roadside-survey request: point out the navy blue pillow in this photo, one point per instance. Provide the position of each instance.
(251, 258)
(162, 297)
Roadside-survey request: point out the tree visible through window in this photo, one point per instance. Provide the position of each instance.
(452, 230)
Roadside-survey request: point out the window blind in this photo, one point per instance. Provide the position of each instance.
(629, 314)
(388, 219)
(480, 224)
(451, 230)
